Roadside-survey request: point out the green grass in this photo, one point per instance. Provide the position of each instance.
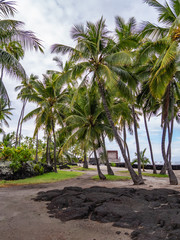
(155, 175)
(148, 174)
(85, 169)
(45, 178)
(113, 178)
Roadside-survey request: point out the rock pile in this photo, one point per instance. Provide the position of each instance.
(27, 170)
(152, 214)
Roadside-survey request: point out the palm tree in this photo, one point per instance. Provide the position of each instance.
(5, 112)
(128, 39)
(25, 88)
(8, 139)
(93, 58)
(86, 121)
(51, 102)
(13, 40)
(149, 106)
(165, 67)
(144, 159)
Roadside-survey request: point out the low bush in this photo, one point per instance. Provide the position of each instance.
(18, 156)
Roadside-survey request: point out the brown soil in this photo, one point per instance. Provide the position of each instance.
(21, 218)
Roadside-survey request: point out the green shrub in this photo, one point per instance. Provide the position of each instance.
(18, 156)
(113, 164)
(38, 169)
(7, 154)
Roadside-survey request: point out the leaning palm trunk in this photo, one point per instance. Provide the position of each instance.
(125, 142)
(172, 177)
(109, 169)
(136, 179)
(137, 142)
(19, 126)
(47, 150)
(54, 136)
(37, 142)
(20, 130)
(149, 142)
(170, 134)
(100, 174)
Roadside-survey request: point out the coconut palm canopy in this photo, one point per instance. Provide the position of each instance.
(124, 56)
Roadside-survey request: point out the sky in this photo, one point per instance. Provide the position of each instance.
(51, 21)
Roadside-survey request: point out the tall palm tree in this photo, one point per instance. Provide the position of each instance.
(149, 106)
(51, 102)
(127, 38)
(87, 123)
(93, 58)
(165, 67)
(13, 38)
(25, 88)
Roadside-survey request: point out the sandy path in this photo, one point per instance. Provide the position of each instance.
(21, 218)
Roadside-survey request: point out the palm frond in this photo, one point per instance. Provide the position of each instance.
(175, 4)
(7, 8)
(59, 48)
(31, 114)
(165, 13)
(152, 30)
(12, 66)
(119, 59)
(28, 40)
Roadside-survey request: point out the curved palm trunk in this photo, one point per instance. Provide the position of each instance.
(85, 163)
(137, 143)
(170, 134)
(149, 142)
(47, 151)
(37, 143)
(19, 126)
(20, 131)
(55, 159)
(100, 174)
(172, 177)
(109, 169)
(136, 179)
(125, 143)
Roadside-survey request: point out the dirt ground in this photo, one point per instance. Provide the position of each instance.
(21, 218)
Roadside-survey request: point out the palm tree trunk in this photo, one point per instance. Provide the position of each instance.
(54, 136)
(85, 163)
(125, 143)
(100, 174)
(36, 158)
(170, 134)
(17, 131)
(21, 122)
(137, 142)
(136, 179)
(149, 142)
(109, 169)
(47, 151)
(172, 177)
